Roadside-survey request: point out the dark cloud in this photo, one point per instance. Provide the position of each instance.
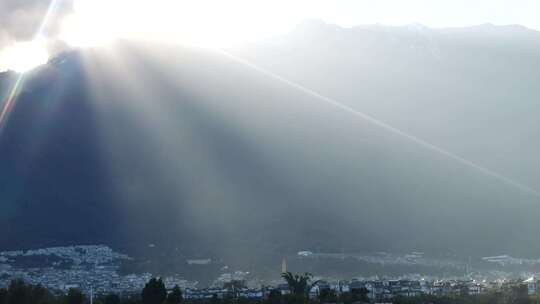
(20, 19)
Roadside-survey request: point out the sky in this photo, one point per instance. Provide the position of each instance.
(84, 23)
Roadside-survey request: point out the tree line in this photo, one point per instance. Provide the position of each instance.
(299, 285)
(154, 292)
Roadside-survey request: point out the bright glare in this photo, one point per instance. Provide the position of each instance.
(204, 23)
(227, 22)
(24, 56)
(78, 32)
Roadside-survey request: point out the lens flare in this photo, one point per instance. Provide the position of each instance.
(381, 124)
(23, 57)
(10, 101)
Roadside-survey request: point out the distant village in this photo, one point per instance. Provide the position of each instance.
(94, 270)
(377, 290)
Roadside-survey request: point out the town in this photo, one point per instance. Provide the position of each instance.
(92, 268)
(94, 271)
(383, 290)
(296, 288)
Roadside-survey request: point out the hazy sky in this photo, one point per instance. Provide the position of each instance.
(218, 22)
(435, 13)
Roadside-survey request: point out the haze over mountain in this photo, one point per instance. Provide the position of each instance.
(187, 148)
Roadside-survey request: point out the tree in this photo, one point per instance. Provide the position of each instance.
(360, 294)
(74, 296)
(131, 300)
(295, 299)
(18, 292)
(111, 299)
(298, 284)
(274, 297)
(518, 295)
(214, 299)
(244, 300)
(175, 297)
(3, 296)
(154, 292)
(40, 295)
(328, 295)
(346, 298)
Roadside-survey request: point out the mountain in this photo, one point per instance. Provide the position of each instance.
(196, 152)
(474, 87)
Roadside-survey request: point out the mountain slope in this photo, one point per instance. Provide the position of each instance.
(188, 149)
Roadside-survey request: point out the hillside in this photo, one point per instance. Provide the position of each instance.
(192, 151)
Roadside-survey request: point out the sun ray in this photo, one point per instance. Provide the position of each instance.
(341, 106)
(9, 103)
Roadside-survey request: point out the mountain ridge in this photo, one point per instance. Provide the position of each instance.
(213, 157)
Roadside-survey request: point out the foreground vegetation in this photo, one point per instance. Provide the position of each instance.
(154, 292)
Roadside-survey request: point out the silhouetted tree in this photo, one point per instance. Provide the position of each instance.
(298, 284)
(294, 299)
(346, 298)
(175, 297)
(74, 296)
(274, 296)
(40, 295)
(18, 292)
(360, 295)
(518, 295)
(243, 300)
(111, 299)
(328, 295)
(134, 300)
(3, 296)
(154, 292)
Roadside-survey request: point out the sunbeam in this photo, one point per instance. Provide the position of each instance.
(10, 101)
(384, 125)
(30, 56)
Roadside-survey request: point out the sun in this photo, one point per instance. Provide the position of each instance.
(24, 56)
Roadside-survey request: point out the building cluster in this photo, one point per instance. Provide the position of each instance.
(81, 254)
(375, 290)
(385, 258)
(387, 289)
(504, 260)
(93, 269)
(221, 293)
(96, 281)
